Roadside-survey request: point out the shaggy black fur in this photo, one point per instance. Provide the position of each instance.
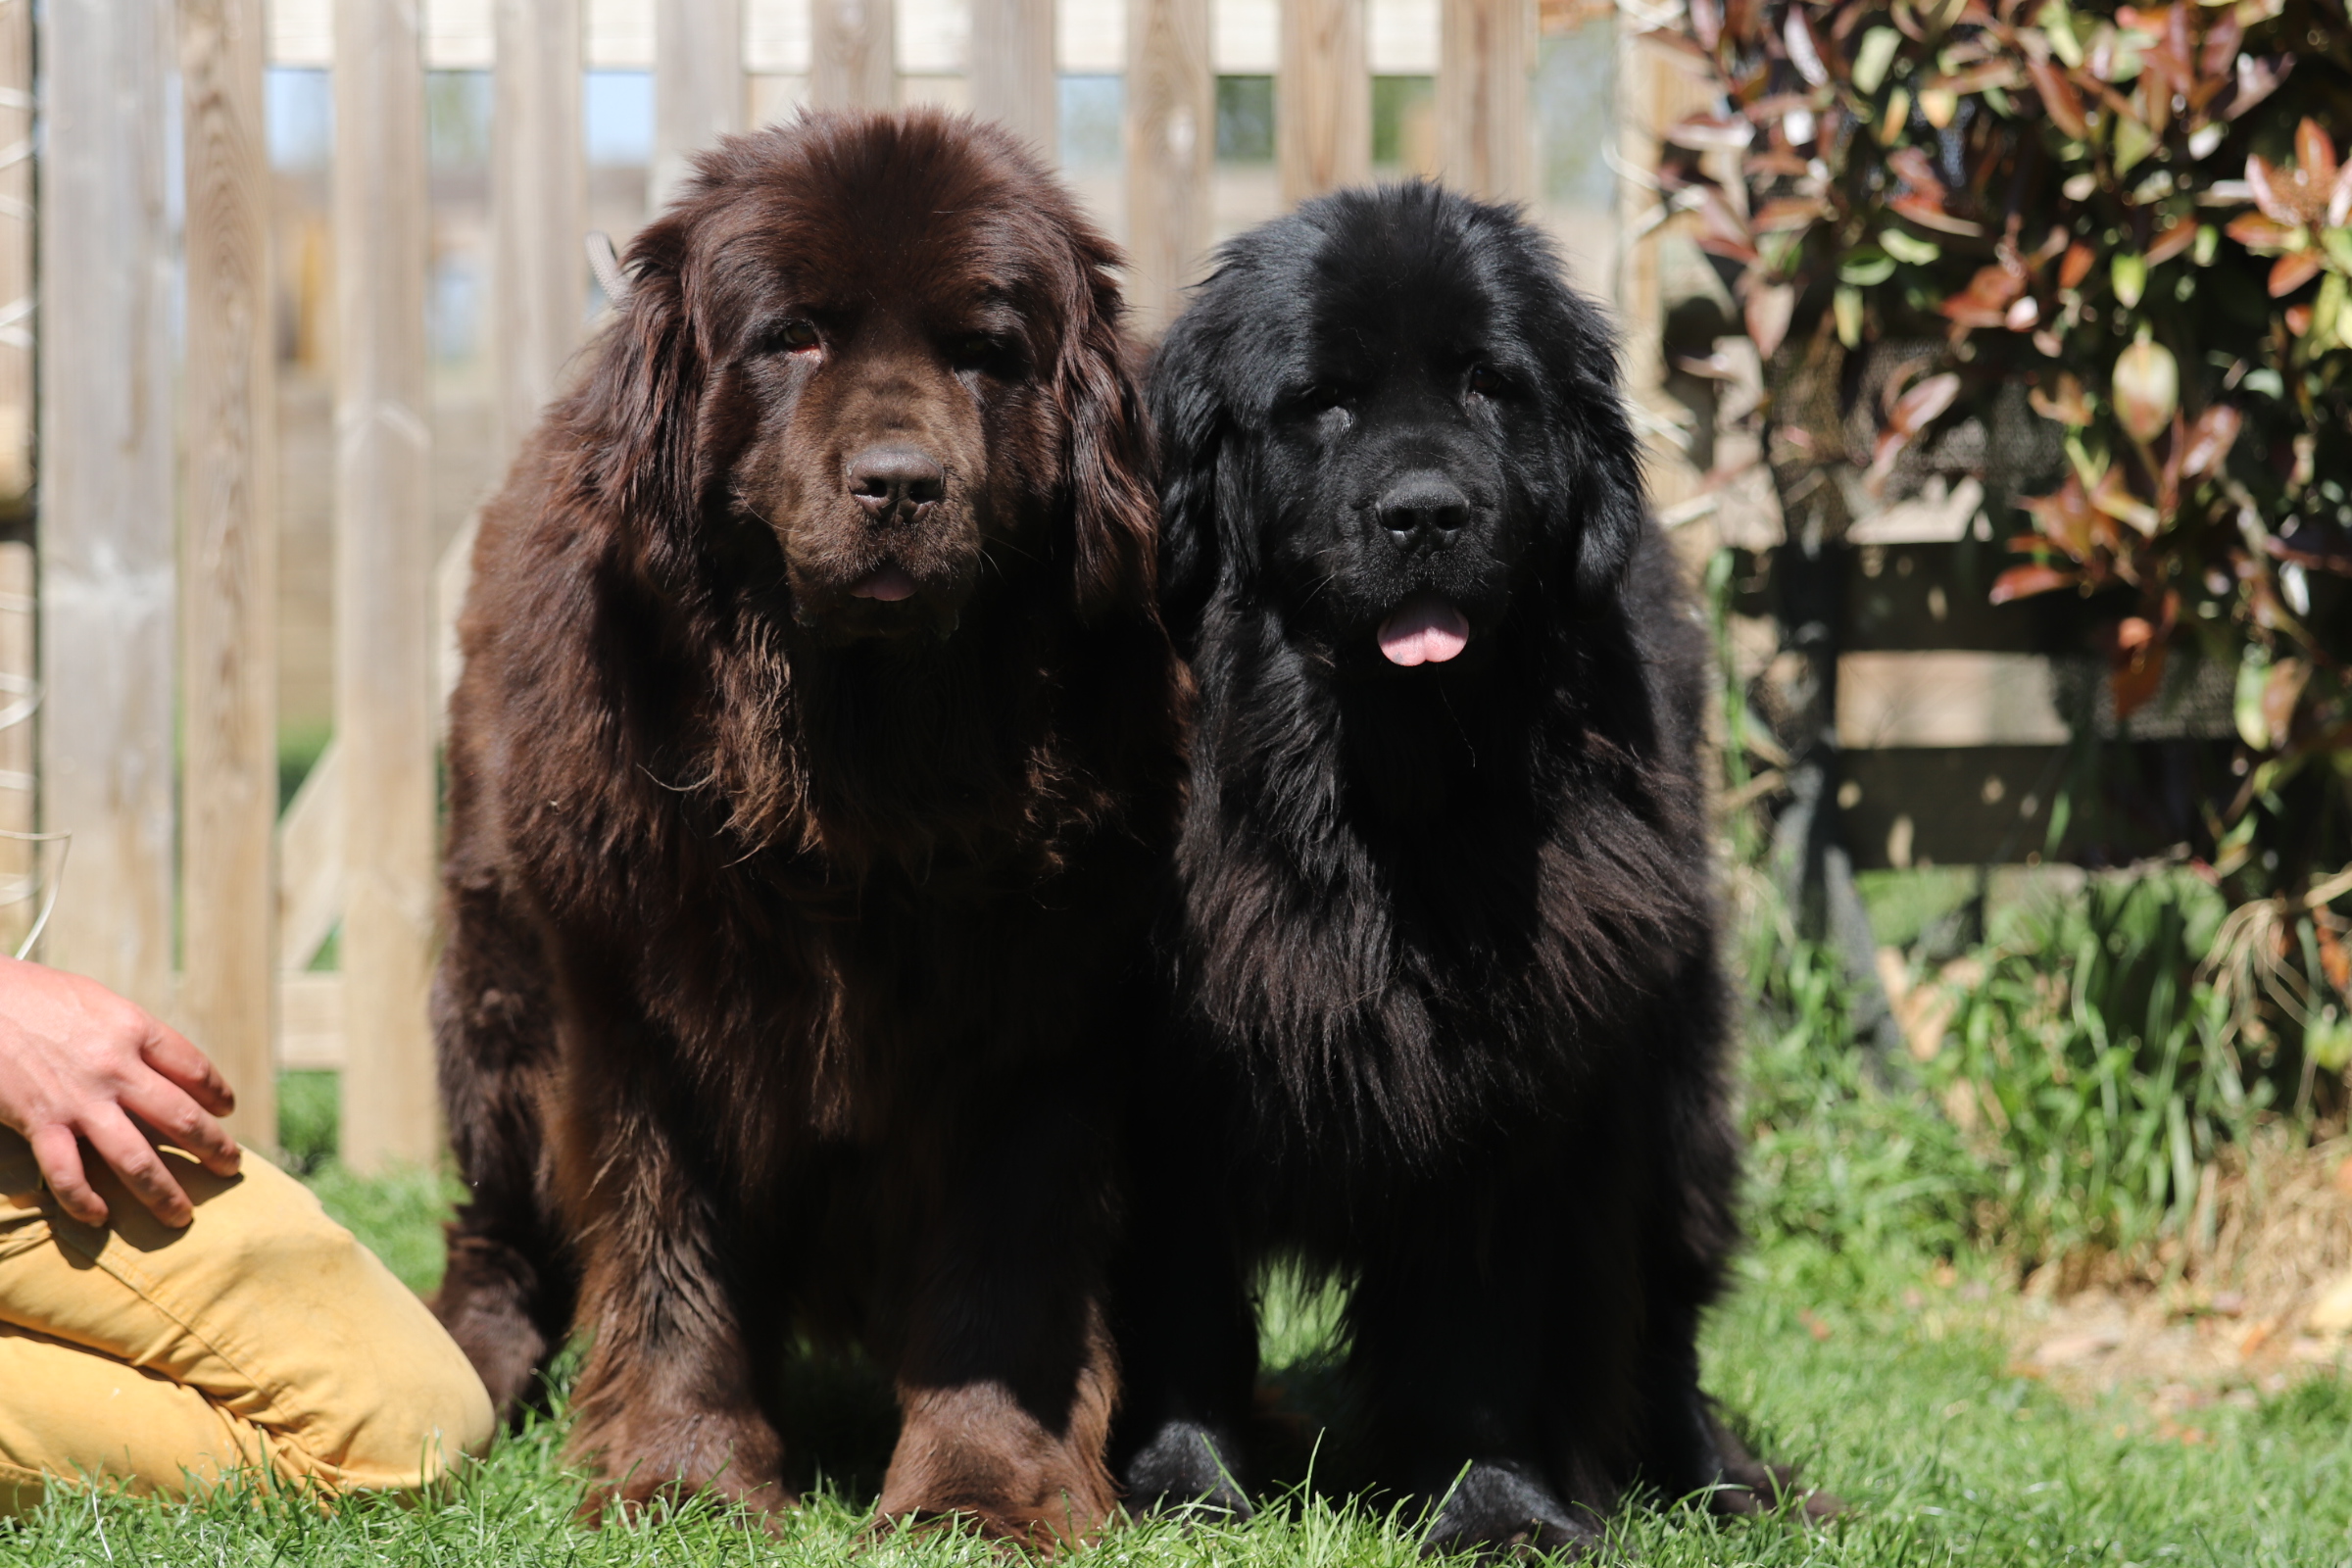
(1450, 1025)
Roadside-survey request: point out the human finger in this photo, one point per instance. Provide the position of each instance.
(172, 1115)
(169, 1052)
(58, 1152)
(134, 1158)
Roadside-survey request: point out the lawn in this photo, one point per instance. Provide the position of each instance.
(1889, 1378)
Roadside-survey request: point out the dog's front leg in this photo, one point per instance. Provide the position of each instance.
(1005, 1368)
(664, 1401)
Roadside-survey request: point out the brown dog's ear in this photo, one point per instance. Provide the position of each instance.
(643, 402)
(1107, 455)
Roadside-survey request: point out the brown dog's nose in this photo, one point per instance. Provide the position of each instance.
(888, 481)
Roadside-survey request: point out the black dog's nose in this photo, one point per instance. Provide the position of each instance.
(1423, 508)
(888, 479)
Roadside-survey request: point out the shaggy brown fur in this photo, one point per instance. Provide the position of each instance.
(811, 775)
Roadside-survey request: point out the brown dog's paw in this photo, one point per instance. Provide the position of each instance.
(658, 1466)
(481, 1303)
(1025, 1506)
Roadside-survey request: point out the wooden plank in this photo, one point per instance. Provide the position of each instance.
(1322, 99)
(698, 85)
(383, 573)
(106, 489)
(229, 563)
(311, 1006)
(1946, 699)
(538, 209)
(852, 54)
(20, 864)
(1171, 152)
(310, 861)
(1486, 139)
(21, 860)
(1012, 70)
(16, 265)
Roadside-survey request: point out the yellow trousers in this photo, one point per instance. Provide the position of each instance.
(263, 1337)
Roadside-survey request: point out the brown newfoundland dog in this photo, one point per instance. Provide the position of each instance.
(811, 775)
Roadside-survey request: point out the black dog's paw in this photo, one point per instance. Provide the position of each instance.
(1188, 1469)
(1499, 1510)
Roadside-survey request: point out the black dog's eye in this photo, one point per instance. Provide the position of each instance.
(1485, 380)
(790, 337)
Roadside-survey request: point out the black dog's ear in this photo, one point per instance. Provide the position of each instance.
(1611, 507)
(643, 399)
(1190, 414)
(1600, 455)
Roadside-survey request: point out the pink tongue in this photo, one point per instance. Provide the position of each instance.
(888, 585)
(1425, 629)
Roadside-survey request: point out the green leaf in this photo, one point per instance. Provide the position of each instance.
(2129, 271)
(1847, 303)
(2133, 141)
(2058, 26)
(1866, 266)
(2245, 704)
(2328, 311)
(2337, 243)
(1907, 247)
(1877, 53)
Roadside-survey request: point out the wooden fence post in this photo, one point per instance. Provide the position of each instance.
(229, 563)
(1487, 50)
(383, 572)
(106, 490)
(1012, 70)
(852, 54)
(19, 861)
(1171, 153)
(1322, 98)
(538, 209)
(698, 85)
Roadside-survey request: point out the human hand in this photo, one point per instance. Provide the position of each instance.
(76, 1063)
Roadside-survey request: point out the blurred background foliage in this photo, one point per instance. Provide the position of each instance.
(2135, 223)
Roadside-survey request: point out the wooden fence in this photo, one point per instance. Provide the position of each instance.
(157, 745)
(156, 463)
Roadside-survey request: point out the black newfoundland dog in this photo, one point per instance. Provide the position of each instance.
(1450, 1025)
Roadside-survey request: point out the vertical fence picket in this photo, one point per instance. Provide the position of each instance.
(1487, 50)
(697, 84)
(852, 54)
(19, 862)
(107, 576)
(229, 563)
(1012, 69)
(1171, 151)
(538, 209)
(1322, 98)
(383, 570)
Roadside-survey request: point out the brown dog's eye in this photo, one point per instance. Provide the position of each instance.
(1485, 380)
(792, 337)
(982, 351)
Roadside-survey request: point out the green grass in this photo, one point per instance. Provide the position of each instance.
(1892, 1390)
